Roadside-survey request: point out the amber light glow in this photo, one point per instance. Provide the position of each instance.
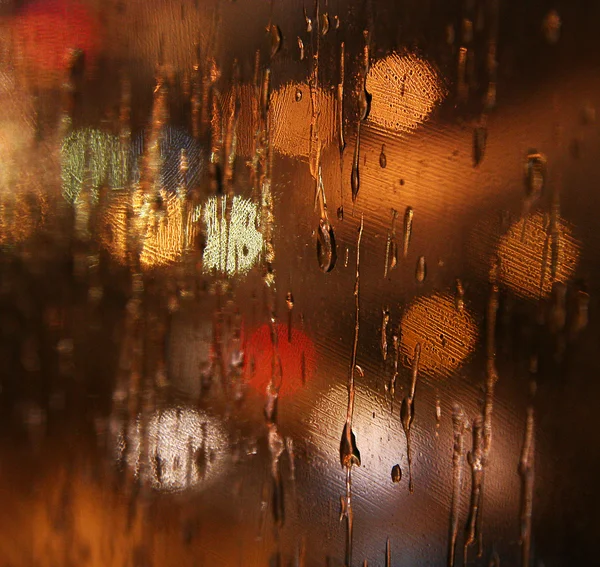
(292, 111)
(447, 334)
(405, 91)
(526, 256)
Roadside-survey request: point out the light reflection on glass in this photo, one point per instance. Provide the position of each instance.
(405, 90)
(93, 157)
(231, 247)
(526, 256)
(292, 110)
(185, 448)
(447, 334)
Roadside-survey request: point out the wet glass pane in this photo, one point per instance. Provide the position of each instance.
(298, 283)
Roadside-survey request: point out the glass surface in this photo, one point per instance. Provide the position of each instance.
(298, 283)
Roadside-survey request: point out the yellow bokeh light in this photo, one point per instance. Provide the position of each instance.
(405, 90)
(162, 244)
(292, 110)
(447, 333)
(526, 254)
(231, 247)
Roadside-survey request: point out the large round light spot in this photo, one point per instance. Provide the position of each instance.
(527, 254)
(405, 89)
(446, 333)
(296, 352)
(184, 448)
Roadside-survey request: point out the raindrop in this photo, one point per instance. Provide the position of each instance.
(382, 158)
(460, 296)
(324, 24)
(308, 21)
(407, 231)
(340, 212)
(581, 315)
(391, 252)
(551, 26)
(276, 39)
(535, 173)
(301, 48)
(336, 20)
(349, 453)
(588, 114)
(450, 34)
(355, 176)
(479, 143)
(396, 474)
(384, 327)
(326, 251)
(289, 300)
(421, 270)
(298, 95)
(407, 412)
(364, 104)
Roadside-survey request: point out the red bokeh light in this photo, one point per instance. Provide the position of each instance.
(297, 356)
(46, 31)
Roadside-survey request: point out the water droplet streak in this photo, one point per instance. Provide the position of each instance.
(421, 270)
(391, 252)
(382, 158)
(349, 453)
(384, 326)
(458, 427)
(526, 471)
(407, 230)
(407, 412)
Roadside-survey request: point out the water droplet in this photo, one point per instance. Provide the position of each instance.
(340, 212)
(301, 48)
(421, 270)
(407, 230)
(384, 326)
(458, 427)
(588, 114)
(336, 21)
(326, 251)
(298, 95)
(289, 300)
(479, 143)
(308, 21)
(460, 296)
(581, 315)
(535, 173)
(382, 158)
(349, 453)
(324, 24)
(450, 34)
(551, 26)
(391, 251)
(355, 175)
(364, 104)
(407, 412)
(396, 474)
(276, 39)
